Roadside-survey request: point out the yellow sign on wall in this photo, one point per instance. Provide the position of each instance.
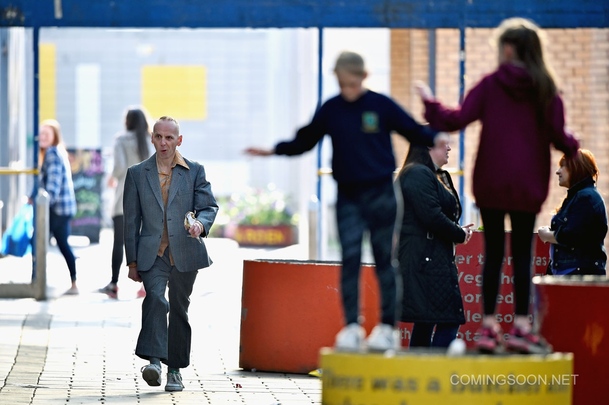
(177, 91)
(47, 84)
(423, 378)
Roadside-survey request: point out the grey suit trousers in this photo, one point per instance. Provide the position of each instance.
(168, 341)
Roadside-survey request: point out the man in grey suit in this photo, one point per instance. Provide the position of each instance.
(161, 253)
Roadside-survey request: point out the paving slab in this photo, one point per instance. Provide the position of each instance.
(80, 349)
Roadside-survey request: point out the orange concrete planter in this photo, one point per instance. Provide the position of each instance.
(291, 309)
(265, 235)
(573, 318)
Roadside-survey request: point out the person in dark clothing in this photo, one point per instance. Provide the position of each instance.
(521, 114)
(428, 234)
(577, 231)
(131, 146)
(359, 122)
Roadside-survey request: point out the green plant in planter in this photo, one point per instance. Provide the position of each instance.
(263, 207)
(252, 207)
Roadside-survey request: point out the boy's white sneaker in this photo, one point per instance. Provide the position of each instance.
(350, 338)
(383, 337)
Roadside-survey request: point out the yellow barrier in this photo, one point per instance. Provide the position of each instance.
(410, 378)
(8, 170)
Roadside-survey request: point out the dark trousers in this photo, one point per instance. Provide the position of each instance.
(171, 341)
(372, 209)
(523, 224)
(59, 227)
(117, 247)
(422, 334)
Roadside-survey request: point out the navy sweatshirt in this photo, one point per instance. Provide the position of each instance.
(360, 132)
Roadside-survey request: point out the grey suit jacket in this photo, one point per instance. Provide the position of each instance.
(144, 214)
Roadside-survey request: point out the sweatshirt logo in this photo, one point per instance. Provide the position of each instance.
(370, 122)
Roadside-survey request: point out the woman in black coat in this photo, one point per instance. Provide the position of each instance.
(428, 234)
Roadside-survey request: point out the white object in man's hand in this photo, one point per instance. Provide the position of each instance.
(189, 221)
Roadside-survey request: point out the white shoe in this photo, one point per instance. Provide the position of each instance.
(383, 337)
(350, 338)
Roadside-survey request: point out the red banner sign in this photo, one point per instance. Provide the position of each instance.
(470, 260)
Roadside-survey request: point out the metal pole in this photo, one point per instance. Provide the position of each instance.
(5, 156)
(431, 51)
(461, 96)
(41, 240)
(35, 112)
(320, 202)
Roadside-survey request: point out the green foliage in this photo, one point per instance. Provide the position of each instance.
(256, 207)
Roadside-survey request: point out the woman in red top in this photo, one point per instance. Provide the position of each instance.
(521, 114)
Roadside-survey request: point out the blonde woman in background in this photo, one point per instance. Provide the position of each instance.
(56, 179)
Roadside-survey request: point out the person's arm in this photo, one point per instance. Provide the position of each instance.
(582, 218)
(133, 221)
(54, 175)
(446, 119)
(403, 123)
(306, 138)
(559, 136)
(205, 204)
(119, 169)
(419, 186)
(253, 151)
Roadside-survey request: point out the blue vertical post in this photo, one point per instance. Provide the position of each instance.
(431, 51)
(461, 96)
(320, 144)
(35, 112)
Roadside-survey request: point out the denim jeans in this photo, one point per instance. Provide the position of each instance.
(371, 208)
(59, 227)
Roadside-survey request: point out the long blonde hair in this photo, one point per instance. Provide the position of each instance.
(57, 139)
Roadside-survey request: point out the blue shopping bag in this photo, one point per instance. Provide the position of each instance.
(17, 239)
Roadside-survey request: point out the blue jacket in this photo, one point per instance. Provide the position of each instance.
(580, 227)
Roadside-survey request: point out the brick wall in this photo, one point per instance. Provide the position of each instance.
(579, 57)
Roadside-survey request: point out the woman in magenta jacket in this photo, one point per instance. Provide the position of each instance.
(521, 114)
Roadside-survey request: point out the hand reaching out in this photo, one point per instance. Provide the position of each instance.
(423, 90)
(259, 152)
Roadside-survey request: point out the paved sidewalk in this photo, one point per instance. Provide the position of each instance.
(79, 349)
